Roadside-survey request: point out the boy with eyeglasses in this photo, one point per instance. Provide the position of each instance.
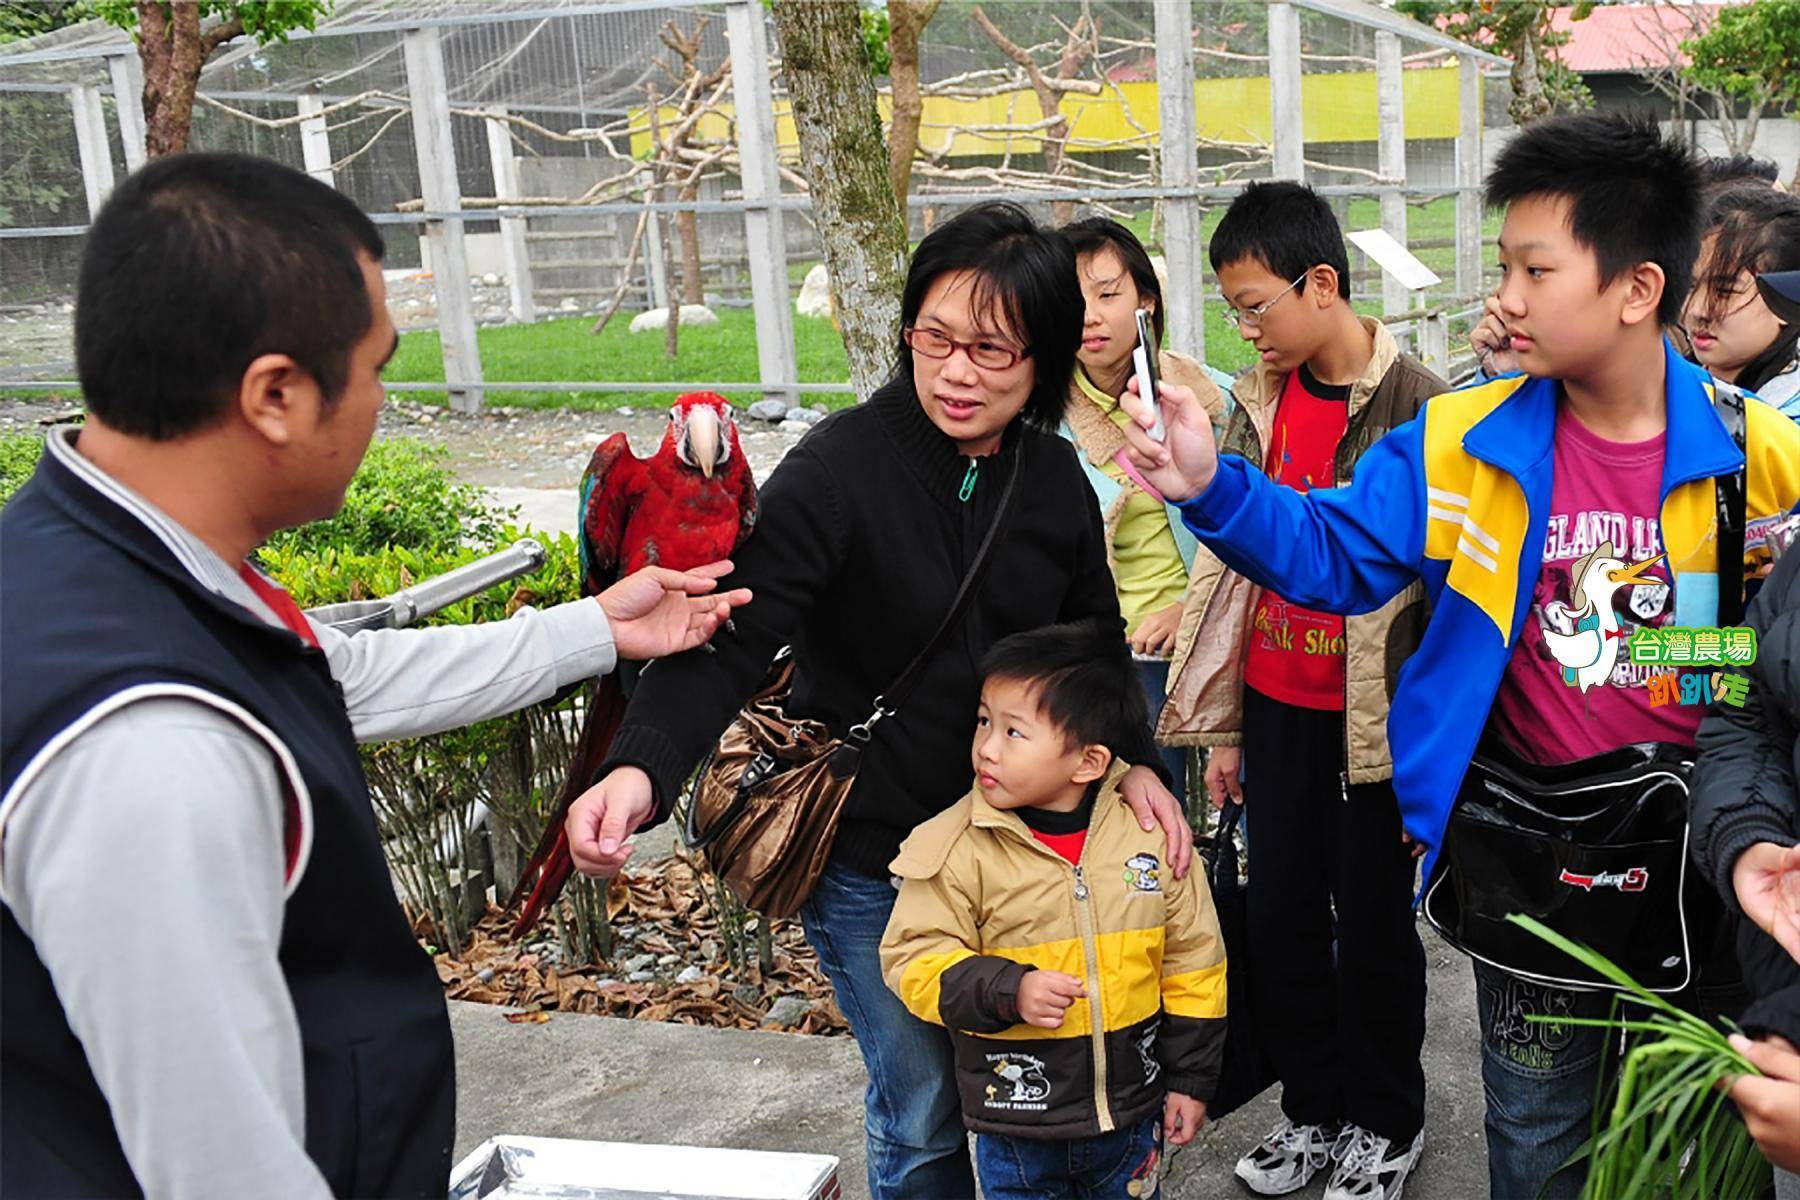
(1298, 699)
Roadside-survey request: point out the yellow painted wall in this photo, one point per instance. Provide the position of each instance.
(1338, 107)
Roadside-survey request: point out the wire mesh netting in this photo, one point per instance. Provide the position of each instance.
(555, 106)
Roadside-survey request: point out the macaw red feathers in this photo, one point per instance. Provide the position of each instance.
(689, 504)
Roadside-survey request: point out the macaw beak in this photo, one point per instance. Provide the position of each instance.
(703, 439)
(1634, 573)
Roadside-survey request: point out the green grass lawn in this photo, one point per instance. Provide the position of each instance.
(562, 349)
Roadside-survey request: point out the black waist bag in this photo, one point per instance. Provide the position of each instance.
(1596, 849)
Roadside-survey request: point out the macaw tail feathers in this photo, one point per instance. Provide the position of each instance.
(549, 866)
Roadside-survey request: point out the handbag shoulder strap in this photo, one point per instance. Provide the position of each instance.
(1729, 494)
(889, 702)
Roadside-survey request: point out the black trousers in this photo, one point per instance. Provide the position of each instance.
(1345, 1028)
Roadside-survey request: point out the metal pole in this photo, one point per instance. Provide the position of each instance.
(1185, 321)
(128, 98)
(315, 140)
(429, 92)
(1434, 344)
(512, 229)
(1391, 121)
(765, 239)
(91, 145)
(1285, 104)
(1468, 175)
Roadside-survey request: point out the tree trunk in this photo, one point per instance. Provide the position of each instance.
(1055, 136)
(687, 228)
(906, 21)
(692, 86)
(826, 72)
(173, 49)
(1529, 102)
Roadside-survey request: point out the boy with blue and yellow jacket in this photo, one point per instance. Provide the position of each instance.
(1498, 498)
(1450, 498)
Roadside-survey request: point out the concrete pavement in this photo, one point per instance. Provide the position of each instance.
(616, 1080)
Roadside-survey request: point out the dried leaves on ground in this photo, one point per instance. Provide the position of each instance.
(665, 924)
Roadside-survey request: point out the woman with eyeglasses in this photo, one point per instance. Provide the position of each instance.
(865, 532)
(1752, 230)
(1150, 549)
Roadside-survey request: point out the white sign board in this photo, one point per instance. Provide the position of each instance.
(1394, 258)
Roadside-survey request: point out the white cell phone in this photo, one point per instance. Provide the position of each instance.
(1143, 362)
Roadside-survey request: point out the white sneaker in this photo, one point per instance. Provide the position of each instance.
(1371, 1168)
(1287, 1159)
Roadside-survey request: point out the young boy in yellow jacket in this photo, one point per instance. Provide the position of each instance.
(1083, 984)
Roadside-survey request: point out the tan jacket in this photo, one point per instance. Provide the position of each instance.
(1206, 680)
(1099, 439)
(983, 902)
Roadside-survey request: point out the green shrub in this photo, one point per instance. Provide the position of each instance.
(331, 575)
(403, 495)
(19, 454)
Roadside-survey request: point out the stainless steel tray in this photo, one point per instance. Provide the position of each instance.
(567, 1169)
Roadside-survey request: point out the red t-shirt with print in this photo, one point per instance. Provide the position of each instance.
(1296, 654)
(1577, 698)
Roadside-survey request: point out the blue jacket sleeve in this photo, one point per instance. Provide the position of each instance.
(1346, 550)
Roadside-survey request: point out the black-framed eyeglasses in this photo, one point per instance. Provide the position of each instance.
(989, 356)
(1254, 316)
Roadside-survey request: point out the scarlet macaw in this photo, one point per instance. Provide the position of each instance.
(689, 504)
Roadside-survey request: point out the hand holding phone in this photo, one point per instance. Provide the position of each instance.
(1143, 363)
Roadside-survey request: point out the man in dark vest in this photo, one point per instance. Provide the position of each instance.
(206, 985)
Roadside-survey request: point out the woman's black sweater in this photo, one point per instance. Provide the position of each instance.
(859, 548)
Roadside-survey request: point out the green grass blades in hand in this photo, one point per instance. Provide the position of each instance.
(1669, 1130)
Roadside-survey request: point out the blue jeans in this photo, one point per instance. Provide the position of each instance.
(1102, 1167)
(1156, 693)
(1539, 1081)
(917, 1146)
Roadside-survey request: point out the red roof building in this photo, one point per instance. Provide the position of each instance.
(1628, 38)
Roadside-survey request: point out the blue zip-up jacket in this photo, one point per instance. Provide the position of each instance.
(1460, 497)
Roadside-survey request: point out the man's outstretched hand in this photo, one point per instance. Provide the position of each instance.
(1183, 464)
(656, 611)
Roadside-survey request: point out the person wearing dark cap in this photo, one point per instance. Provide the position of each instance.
(1736, 330)
(1781, 292)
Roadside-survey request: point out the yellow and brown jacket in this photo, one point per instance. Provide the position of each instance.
(982, 902)
(1206, 680)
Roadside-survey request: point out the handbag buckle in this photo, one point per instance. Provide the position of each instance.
(760, 768)
(860, 733)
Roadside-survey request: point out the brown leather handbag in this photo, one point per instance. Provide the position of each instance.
(764, 810)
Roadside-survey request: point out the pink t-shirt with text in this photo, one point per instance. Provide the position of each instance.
(1603, 492)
